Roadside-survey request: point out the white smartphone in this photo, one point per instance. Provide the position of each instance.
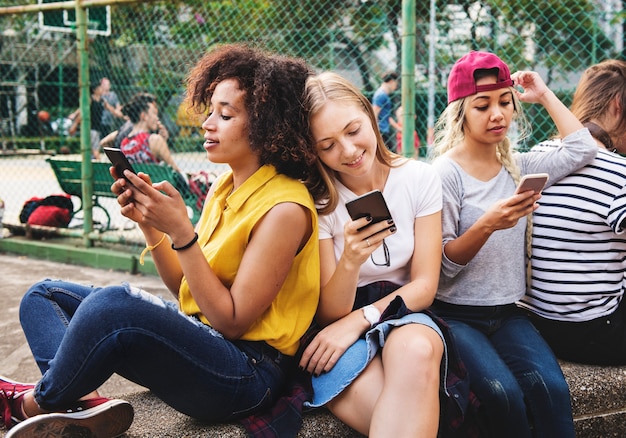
(533, 181)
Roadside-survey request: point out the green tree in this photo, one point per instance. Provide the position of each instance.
(561, 36)
(312, 29)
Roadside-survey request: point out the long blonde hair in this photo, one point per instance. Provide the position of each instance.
(449, 133)
(331, 87)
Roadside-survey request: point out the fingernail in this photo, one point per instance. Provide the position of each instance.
(369, 218)
(392, 229)
(390, 221)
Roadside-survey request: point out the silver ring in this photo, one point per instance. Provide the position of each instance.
(368, 242)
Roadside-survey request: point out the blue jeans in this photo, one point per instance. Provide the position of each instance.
(512, 371)
(81, 335)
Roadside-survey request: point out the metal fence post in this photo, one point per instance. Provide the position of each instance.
(408, 75)
(85, 123)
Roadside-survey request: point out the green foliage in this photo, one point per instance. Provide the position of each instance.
(565, 34)
(313, 29)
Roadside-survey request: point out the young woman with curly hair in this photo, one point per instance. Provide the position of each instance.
(222, 351)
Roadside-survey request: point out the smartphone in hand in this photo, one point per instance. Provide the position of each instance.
(370, 204)
(532, 181)
(119, 160)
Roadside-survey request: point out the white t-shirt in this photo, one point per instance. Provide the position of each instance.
(412, 190)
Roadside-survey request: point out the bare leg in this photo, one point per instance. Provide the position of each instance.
(398, 395)
(409, 403)
(30, 407)
(355, 405)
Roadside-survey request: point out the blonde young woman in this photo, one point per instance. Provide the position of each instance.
(512, 370)
(359, 363)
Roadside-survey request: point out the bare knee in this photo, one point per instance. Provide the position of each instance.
(416, 343)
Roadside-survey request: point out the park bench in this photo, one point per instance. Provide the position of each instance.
(68, 172)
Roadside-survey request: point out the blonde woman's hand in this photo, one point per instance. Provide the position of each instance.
(331, 342)
(507, 212)
(359, 245)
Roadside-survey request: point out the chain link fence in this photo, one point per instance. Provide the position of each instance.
(148, 46)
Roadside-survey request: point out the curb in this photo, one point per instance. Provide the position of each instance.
(72, 251)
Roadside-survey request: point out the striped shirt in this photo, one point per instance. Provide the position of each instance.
(579, 245)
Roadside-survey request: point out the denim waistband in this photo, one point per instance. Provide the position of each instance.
(263, 348)
(499, 307)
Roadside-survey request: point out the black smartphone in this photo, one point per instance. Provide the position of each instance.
(119, 160)
(370, 204)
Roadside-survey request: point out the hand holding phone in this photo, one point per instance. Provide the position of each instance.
(370, 204)
(533, 181)
(119, 161)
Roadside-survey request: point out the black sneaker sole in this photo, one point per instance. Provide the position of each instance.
(107, 420)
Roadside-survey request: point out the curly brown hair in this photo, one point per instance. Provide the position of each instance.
(274, 88)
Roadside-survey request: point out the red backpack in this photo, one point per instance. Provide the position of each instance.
(51, 211)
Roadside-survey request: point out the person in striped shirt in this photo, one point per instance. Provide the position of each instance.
(579, 244)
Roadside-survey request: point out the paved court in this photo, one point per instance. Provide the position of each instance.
(17, 274)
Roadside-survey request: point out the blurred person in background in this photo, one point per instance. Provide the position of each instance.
(143, 139)
(109, 124)
(97, 105)
(383, 108)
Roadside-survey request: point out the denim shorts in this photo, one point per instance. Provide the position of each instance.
(355, 359)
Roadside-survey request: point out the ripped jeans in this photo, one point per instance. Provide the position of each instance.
(512, 370)
(81, 335)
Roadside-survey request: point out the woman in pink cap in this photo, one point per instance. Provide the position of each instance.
(512, 370)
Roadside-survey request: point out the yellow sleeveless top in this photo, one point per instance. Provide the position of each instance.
(224, 230)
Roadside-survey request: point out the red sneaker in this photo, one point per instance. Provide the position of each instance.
(11, 400)
(95, 418)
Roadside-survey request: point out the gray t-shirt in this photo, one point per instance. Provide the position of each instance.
(497, 274)
(107, 116)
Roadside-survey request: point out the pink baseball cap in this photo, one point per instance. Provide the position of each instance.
(461, 82)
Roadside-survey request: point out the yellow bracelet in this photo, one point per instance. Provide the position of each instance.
(150, 248)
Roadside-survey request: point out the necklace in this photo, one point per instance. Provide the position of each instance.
(601, 135)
